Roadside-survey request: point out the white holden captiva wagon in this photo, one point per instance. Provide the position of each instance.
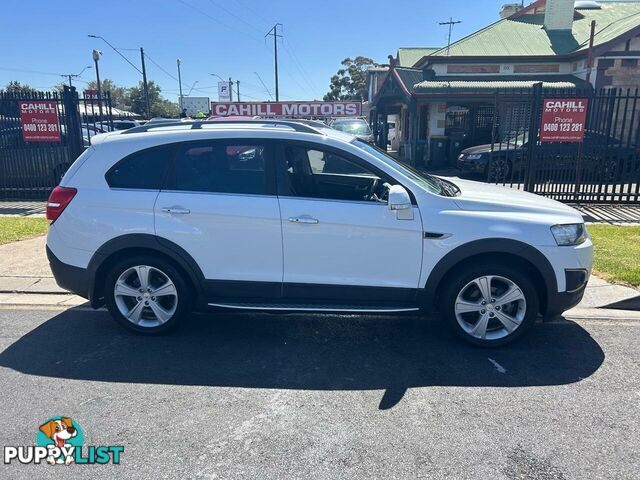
(271, 215)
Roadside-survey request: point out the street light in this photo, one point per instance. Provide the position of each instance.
(96, 58)
(143, 72)
(75, 75)
(192, 86)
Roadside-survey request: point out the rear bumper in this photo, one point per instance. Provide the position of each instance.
(69, 277)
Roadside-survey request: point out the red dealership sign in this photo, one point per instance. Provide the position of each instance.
(39, 120)
(287, 109)
(91, 96)
(563, 119)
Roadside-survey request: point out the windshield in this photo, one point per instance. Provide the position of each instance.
(354, 128)
(428, 182)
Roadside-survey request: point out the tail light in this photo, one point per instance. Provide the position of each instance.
(58, 200)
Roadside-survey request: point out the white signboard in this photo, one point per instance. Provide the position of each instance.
(194, 105)
(224, 95)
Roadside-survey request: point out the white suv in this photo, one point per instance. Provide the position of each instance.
(290, 216)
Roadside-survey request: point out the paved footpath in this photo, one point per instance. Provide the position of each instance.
(25, 279)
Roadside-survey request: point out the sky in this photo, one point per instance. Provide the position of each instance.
(40, 40)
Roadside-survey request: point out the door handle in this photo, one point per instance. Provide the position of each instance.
(176, 210)
(308, 220)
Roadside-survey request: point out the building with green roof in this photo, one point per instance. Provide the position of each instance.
(548, 41)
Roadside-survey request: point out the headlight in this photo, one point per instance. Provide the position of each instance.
(474, 156)
(570, 234)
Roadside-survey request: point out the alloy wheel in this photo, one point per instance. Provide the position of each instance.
(490, 307)
(498, 170)
(145, 296)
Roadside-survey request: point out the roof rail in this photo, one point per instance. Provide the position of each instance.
(197, 125)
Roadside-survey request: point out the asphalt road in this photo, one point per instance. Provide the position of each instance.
(318, 396)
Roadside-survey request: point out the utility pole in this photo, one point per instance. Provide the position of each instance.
(75, 75)
(590, 54)
(179, 84)
(230, 90)
(274, 32)
(96, 58)
(144, 84)
(451, 23)
(238, 89)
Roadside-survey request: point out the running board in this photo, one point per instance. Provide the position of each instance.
(315, 308)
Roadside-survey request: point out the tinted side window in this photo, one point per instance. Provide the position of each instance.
(317, 173)
(221, 168)
(144, 170)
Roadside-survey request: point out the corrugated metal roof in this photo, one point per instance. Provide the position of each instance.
(439, 86)
(408, 56)
(525, 35)
(409, 77)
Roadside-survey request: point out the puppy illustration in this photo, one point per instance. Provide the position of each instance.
(59, 431)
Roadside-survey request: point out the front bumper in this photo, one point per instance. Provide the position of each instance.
(558, 302)
(473, 166)
(75, 279)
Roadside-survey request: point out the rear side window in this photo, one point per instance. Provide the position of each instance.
(221, 167)
(144, 170)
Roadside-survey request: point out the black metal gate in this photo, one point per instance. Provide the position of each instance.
(30, 169)
(603, 168)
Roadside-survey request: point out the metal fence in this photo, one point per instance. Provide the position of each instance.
(603, 168)
(29, 167)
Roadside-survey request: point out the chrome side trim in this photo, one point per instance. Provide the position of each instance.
(313, 309)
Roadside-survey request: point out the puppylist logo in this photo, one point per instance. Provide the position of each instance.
(60, 441)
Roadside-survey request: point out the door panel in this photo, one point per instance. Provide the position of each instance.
(231, 237)
(352, 243)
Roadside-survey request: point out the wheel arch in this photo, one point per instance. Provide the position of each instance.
(492, 249)
(139, 244)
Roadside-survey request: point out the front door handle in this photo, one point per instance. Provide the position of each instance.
(308, 220)
(176, 210)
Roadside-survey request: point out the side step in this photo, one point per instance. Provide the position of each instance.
(307, 307)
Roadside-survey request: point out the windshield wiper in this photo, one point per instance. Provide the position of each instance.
(448, 188)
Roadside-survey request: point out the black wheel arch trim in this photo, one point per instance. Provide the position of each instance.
(490, 246)
(147, 242)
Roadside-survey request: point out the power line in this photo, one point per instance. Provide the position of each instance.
(303, 73)
(267, 22)
(217, 5)
(211, 17)
(157, 65)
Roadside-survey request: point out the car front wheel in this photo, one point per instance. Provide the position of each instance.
(146, 294)
(491, 304)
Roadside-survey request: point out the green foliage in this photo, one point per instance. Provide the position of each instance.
(616, 253)
(16, 87)
(350, 82)
(20, 228)
(159, 106)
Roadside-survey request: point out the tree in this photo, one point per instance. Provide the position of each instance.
(119, 95)
(158, 105)
(15, 86)
(350, 83)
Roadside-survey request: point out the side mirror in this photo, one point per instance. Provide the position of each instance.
(400, 201)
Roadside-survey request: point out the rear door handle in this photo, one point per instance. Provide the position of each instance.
(309, 220)
(176, 210)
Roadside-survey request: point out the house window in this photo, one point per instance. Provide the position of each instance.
(629, 62)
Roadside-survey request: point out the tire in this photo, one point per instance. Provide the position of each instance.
(498, 170)
(146, 313)
(503, 321)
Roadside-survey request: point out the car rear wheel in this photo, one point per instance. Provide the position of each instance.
(146, 295)
(490, 304)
